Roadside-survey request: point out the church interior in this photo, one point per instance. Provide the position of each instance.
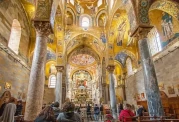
(90, 52)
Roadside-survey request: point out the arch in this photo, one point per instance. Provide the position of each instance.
(102, 11)
(15, 36)
(82, 50)
(129, 66)
(87, 19)
(55, 5)
(76, 70)
(167, 6)
(52, 81)
(70, 10)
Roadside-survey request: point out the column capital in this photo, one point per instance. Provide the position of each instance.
(59, 68)
(142, 31)
(42, 27)
(110, 68)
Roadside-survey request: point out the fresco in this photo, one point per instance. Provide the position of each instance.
(82, 59)
(167, 6)
(167, 29)
(81, 78)
(121, 57)
(50, 55)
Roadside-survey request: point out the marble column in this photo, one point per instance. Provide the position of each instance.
(104, 91)
(110, 69)
(150, 80)
(36, 80)
(58, 87)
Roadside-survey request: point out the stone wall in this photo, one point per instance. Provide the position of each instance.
(10, 10)
(167, 71)
(11, 70)
(49, 95)
(15, 74)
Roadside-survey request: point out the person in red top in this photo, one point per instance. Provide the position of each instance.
(126, 114)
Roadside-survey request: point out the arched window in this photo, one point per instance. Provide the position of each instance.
(129, 67)
(154, 41)
(111, 4)
(52, 81)
(85, 22)
(15, 36)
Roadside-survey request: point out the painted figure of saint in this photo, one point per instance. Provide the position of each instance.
(78, 8)
(103, 38)
(121, 29)
(92, 8)
(167, 25)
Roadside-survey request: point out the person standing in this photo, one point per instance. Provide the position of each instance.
(88, 112)
(96, 112)
(3, 105)
(9, 111)
(126, 114)
(19, 108)
(120, 108)
(101, 112)
(68, 114)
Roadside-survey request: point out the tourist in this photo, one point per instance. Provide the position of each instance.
(120, 108)
(68, 114)
(9, 111)
(19, 108)
(108, 116)
(46, 115)
(101, 112)
(88, 112)
(43, 106)
(56, 109)
(126, 114)
(140, 110)
(96, 112)
(3, 105)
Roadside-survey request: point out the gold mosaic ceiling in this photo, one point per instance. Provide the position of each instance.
(87, 1)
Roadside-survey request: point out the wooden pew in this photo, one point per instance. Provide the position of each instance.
(19, 118)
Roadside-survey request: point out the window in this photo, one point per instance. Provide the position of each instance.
(154, 42)
(52, 81)
(112, 2)
(15, 36)
(129, 67)
(85, 22)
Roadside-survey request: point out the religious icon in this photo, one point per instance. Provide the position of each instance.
(78, 8)
(92, 8)
(171, 90)
(142, 96)
(138, 97)
(121, 29)
(7, 85)
(103, 38)
(19, 95)
(167, 26)
(161, 86)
